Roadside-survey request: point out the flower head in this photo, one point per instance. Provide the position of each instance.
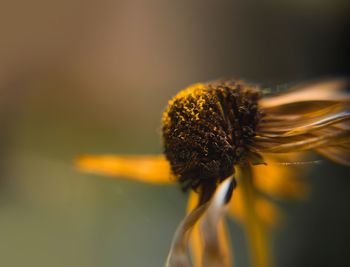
(223, 133)
(207, 130)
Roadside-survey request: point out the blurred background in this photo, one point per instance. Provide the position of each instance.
(94, 76)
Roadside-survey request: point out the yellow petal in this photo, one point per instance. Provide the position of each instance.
(278, 179)
(258, 235)
(236, 208)
(146, 168)
(267, 211)
(197, 240)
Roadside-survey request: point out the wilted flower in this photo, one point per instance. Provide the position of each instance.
(217, 133)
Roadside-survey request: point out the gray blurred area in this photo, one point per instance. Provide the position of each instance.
(94, 76)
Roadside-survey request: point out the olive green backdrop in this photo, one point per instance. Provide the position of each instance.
(94, 76)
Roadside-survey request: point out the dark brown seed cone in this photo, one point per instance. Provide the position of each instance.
(207, 129)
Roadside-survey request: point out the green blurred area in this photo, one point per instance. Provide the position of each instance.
(93, 77)
(53, 215)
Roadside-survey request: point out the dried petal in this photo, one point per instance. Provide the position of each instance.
(323, 91)
(312, 117)
(177, 256)
(212, 244)
(216, 252)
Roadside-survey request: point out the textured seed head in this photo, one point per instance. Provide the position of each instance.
(208, 128)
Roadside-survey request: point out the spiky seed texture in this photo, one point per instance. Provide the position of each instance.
(207, 129)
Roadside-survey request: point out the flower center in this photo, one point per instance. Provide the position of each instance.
(207, 129)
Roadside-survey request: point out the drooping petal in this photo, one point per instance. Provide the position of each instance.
(309, 143)
(267, 211)
(279, 178)
(258, 235)
(303, 126)
(196, 240)
(177, 256)
(312, 117)
(217, 249)
(204, 224)
(146, 168)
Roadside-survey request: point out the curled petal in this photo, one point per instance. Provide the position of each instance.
(208, 242)
(216, 252)
(197, 244)
(147, 168)
(312, 117)
(177, 256)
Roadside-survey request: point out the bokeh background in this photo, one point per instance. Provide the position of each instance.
(94, 76)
